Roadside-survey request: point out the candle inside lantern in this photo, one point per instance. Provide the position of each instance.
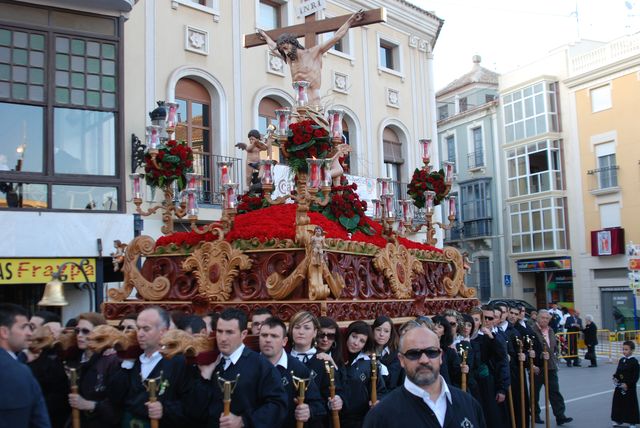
(172, 114)
(406, 210)
(230, 195)
(448, 172)
(225, 172)
(136, 186)
(313, 178)
(429, 196)
(335, 119)
(283, 121)
(326, 174)
(301, 92)
(266, 177)
(452, 206)
(426, 150)
(192, 204)
(384, 185)
(153, 136)
(376, 208)
(388, 202)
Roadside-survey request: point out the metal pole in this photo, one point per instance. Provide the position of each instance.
(99, 290)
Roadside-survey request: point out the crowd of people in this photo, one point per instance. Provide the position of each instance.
(448, 370)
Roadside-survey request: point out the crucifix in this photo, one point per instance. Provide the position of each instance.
(306, 62)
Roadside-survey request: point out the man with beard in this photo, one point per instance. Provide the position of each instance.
(306, 64)
(425, 399)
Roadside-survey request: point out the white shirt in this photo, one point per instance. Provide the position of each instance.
(439, 406)
(362, 356)
(283, 361)
(233, 358)
(301, 355)
(503, 325)
(148, 363)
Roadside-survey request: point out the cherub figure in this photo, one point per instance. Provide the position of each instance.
(118, 256)
(336, 170)
(317, 246)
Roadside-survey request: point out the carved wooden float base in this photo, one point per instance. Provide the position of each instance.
(340, 310)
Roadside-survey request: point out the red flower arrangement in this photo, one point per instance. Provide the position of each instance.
(306, 140)
(423, 181)
(278, 221)
(250, 202)
(172, 161)
(346, 207)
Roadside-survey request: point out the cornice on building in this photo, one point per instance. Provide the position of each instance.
(470, 112)
(104, 7)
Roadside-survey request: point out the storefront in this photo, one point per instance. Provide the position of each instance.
(552, 279)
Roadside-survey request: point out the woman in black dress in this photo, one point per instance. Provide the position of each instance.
(386, 347)
(625, 398)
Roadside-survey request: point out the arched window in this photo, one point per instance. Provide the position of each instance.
(194, 117)
(392, 154)
(266, 117)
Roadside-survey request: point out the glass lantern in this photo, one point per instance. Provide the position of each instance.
(137, 185)
(283, 117)
(172, 115)
(314, 176)
(230, 192)
(225, 172)
(153, 136)
(266, 171)
(335, 123)
(300, 87)
(430, 197)
(425, 144)
(448, 172)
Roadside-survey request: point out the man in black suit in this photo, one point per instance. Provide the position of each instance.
(258, 398)
(273, 339)
(128, 390)
(21, 401)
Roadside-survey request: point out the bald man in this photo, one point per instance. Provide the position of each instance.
(425, 399)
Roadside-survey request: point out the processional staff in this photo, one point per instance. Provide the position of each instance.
(374, 379)
(545, 357)
(73, 383)
(227, 387)
(463, 382)
(301, 385)
(532, 356)
(335, 416)
(521, 359)
(151, 385)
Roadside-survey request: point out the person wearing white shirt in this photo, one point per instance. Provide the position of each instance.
(127, 390)
(425, 399)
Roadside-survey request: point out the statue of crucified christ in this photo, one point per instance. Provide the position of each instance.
(306, 64)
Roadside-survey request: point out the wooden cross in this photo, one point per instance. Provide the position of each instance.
(312, 27)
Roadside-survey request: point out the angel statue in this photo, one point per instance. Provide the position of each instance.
(256, 145)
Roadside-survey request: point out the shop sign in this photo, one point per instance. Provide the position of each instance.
(546, 265)
(39, 271)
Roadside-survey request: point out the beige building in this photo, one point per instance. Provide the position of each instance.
(605, 99)
(78, 112)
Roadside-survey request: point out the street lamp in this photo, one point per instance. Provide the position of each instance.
(54, 291)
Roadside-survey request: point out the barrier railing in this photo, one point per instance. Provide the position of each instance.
(571, 344)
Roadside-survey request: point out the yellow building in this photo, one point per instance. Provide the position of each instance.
(605, 87)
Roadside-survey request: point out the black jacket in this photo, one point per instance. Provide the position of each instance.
(94, 376)
(50, 373)
(591, 334)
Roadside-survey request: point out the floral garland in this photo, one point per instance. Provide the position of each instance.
(346, 207)
(306, 139)
(172, 161)
(423, 181)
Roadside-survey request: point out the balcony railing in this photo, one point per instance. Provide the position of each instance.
(470, 230)
(206, 165)
(475, 159)
(605, 178)
(399, 192)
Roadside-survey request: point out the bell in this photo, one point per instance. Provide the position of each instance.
(53, 294)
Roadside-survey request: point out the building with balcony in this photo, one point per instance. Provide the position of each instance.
(542, 179)
(468, 137)
(605, 95)
(65, 70)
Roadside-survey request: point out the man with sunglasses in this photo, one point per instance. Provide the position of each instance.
(425, 399)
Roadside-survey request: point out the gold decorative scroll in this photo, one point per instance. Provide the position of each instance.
(399, 266)
(229, 262)
(156, 290)
(454, 286)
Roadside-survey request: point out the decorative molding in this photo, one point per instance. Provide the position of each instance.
(393, 98)
(413, 41)
(275, 64)
(423, 45)
(399, 266)
(340, 82)
(196, 40)
(212, 8)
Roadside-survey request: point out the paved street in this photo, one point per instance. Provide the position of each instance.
(588, 393)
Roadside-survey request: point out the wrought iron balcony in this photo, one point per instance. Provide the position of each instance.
(603, 179)
(470, 230)
(476, 159)
(206, 164)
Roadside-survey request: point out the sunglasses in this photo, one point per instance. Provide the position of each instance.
(489, 318)
(84, 331)
(416, 354)
(329, 336)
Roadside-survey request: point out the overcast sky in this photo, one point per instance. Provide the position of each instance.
(511, 33)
